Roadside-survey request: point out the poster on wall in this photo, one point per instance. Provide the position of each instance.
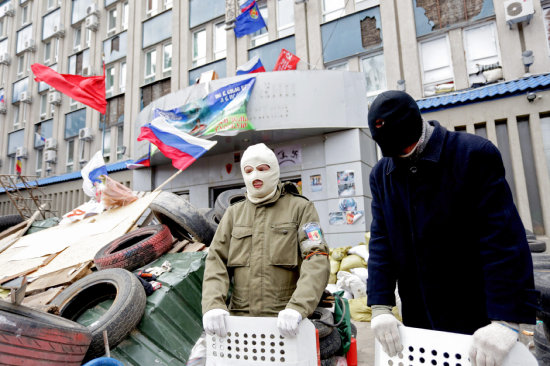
(315, 183)
(348, 214)
(346, 183)
(289, 155)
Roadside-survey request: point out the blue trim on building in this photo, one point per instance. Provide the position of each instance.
(115, 167)
(489, 92)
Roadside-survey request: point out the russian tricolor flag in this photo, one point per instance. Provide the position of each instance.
(175, 144)
(252, 66)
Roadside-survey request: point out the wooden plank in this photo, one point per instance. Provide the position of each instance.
(194, 247)
(13, 229)
(41, 300)
(61, 277)
(178, 246)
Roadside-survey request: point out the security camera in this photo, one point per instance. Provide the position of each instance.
(531, 97)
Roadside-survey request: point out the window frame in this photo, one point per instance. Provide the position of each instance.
(261, 36)
(111, 28)
(371, 94)
(286, 29)
(196, 60)
(426, 84)
(467, 50)
(326, 16)
(150, 77)
(219, 54)
(70, 164)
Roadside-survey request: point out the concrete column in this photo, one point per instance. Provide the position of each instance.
(519, 176)
(491, 132)
(133, 74)
(392, 54)
(509, 42)
(470, 128)
(407, 33)
(543, 176)
(177, 44)
(536, 41)
(185, 44)
(231, 50)
(314, 14)
(458, 59)
(300, 35)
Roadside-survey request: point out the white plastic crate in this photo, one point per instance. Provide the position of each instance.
(422, 347)
(256, 341)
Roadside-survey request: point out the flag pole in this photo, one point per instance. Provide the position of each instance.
(168, 180)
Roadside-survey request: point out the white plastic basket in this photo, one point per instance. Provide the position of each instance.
(422, 347)
(256, 341)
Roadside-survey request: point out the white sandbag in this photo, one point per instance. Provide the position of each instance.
(362, 273)
(360, 250)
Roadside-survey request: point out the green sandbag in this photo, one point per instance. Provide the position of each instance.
(43, 224)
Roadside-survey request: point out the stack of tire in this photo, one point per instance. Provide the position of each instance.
(541, 266)
(330, 341)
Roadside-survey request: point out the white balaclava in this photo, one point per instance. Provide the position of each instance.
(254, 156)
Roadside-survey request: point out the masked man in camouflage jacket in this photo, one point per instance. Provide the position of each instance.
(271, 246)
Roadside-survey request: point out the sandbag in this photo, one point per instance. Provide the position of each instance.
(359, 311)
(360, 272)
(352, 261)
(339, 253)
(334, 267)
(360, 250)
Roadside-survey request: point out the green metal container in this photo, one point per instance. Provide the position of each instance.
(172, 322)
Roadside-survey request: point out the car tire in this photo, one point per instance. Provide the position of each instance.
(537, 246)
(135, 249)
(331, 361)
(122, 316)
(329, 345)
(226, 199)
(542, 347)
(184, 220)
(211, 217)
(28, 335)
(319, 316)
(8, 221)
(530, 235)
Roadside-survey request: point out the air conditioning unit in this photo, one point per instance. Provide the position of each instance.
(21, 152)
(85, 134)
(8, 9)
(121, 149)
(54, 98)
(86, 71)
(50, 144)
(25, 97)
(517, 11)
(3, 108)
(92, 22)
(28, 45)
(58, 30)
(50, 156)
(5, 58)
(92, 9)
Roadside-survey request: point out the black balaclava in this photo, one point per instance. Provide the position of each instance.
(398, 119)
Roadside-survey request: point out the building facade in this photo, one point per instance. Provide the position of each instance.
(479, 66)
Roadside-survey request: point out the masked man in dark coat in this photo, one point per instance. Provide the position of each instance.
(445, 228)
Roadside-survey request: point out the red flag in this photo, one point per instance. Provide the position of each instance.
(89, 90)
(18, 166)
(286, 61)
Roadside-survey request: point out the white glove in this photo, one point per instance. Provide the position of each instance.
(491, 344)
(385, 330)
(288, 321)
(213, 322)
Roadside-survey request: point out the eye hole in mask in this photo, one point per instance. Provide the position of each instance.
(261, 168)
(379, 123)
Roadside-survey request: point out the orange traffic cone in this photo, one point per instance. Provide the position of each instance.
(351, 356)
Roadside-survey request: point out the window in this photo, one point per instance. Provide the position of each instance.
(18, 87)
(151, 6)
(79, 64)
(341, 66)
(125, 13)
(260, 36)
(2, 31)
(70, 155)
(150, 65)
(15, 139)
(107, 145)
(47, 52)
(155, 90)
(16, 108)
(50, 4)
(111, 23)
(285, 17)
(333, 9)
(120, 142)
(24, 38)
(88, 37)
(122, 85)
(109, 80)
(43, 105)
(375, 74)
(20, 65)
(74, 121)
(50, 24)
(482, 52)
(77, 38)
(39, 158)
(157, 29)
(42, 131)
(220, 41)
(79, 10)
(437, 71)
(167, 58)
(199, 47)
(26, 14)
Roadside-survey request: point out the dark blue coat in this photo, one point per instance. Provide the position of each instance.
(446, 229)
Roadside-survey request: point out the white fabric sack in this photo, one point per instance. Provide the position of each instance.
(360, 272)
(360, 250)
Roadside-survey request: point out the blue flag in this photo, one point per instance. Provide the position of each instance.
(249, 21)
